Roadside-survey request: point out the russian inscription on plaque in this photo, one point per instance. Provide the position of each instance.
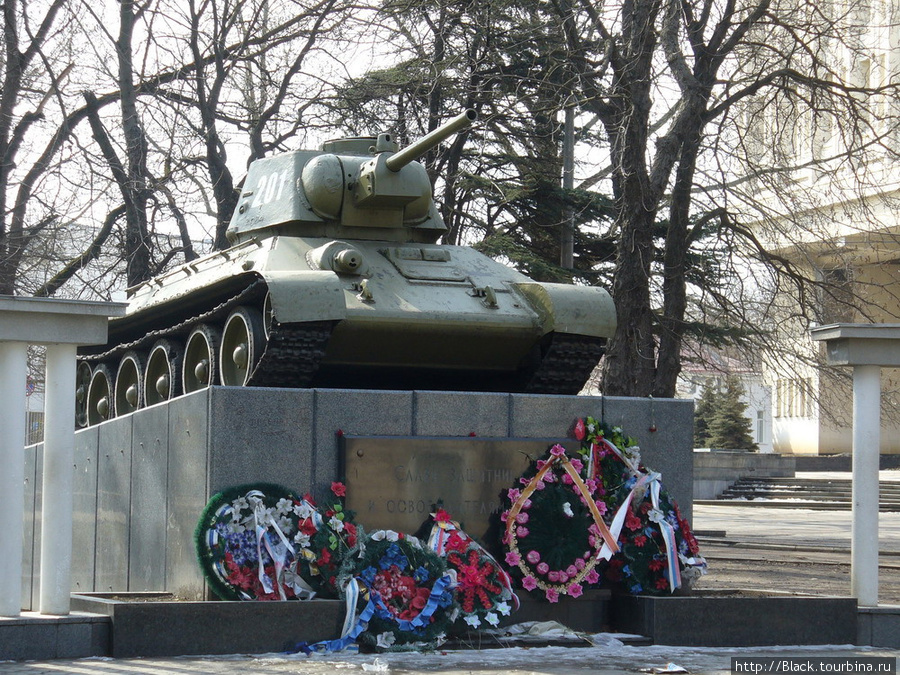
(394, 482)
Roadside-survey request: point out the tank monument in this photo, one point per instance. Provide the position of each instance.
(334, 279)
(335, 340)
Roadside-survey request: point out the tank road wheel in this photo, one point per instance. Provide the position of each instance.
(162, 379)
(198, 370)
(99, 396)
(129, 389)
(242, 345)
(82, 384)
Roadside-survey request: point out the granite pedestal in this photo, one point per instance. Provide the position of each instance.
(141, 480)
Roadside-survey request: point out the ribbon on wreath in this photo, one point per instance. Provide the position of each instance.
(558, 455)
(280, 551)
(353, 629)
(212, 541)
(652, 480)
(423, 618)
(441, 532)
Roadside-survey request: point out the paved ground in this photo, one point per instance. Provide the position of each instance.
(798, 550)
(793, 550)
(606, 658)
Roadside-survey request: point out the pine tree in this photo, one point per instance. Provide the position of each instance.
(729, 428)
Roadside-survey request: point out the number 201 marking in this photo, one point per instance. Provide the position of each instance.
(270, 187)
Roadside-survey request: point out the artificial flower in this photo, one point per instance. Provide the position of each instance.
(575, 590)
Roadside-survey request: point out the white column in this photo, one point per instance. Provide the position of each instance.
(866, 449)
(13, 371)
(59, 458)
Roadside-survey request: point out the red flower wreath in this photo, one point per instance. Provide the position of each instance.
(473, 579)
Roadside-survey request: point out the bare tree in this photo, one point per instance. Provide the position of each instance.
(498, 186)
(259, 51)
(670, 80)
(22, 106)
(128, 157)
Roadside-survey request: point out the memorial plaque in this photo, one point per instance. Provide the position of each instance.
(394, 482)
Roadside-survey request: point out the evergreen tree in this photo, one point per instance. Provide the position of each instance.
(703, 413)
(729, 428)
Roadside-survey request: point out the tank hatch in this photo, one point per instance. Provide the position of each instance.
(424, 263)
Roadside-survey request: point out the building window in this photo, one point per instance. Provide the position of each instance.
(760, 426)
(836, 296)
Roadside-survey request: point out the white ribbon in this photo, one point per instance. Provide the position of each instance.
(668, 532)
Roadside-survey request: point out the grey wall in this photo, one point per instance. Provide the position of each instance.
(142, 480)
(718, 470)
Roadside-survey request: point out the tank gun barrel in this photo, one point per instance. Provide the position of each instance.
(412, 152)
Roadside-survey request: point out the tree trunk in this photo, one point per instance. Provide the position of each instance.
(630, 364)
(216, 156)
(138, 245)
(16, 61)
(675, 263)
(11, 86)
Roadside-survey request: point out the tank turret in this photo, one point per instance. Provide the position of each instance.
(334, 279)
(355, 188)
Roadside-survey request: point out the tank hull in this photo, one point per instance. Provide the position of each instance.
(419, 316)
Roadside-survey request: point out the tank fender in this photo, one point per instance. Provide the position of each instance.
(305, 296)
(579, 310)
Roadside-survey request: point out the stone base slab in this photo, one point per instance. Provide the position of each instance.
(142, 480)
(168, 627)
(32, 636)
(737, 619)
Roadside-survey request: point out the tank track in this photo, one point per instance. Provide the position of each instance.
(567, 364)
(295, 351)
(292, 355)
(249, 294)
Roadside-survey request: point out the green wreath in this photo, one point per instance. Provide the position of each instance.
(483, 588)
(237, 562)
(553, 528)
(263, 542)
(657, 549)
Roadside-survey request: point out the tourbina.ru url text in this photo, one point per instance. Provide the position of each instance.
(829, 664)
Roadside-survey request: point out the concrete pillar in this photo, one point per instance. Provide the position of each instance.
(866, 451)
(61, 325)
(13, 371)
(59, 458)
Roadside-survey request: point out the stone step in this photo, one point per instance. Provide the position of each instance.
(733, 493)
(890, 486)
(792, 504)
(805, 493)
